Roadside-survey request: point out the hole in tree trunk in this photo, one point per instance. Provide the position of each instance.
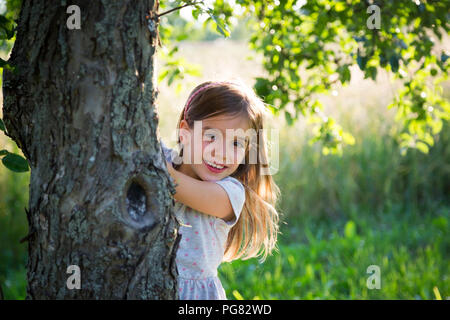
(136, 201)
(139, 206)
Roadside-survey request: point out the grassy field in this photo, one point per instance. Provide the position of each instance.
(332, 262)
(340, 215)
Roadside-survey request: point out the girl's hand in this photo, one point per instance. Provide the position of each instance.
(169, 167)
(204, 196)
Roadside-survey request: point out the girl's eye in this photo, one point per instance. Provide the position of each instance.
(238, 144)
(210, 137)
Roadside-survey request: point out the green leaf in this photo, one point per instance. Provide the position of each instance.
(2, 125)
(173, 76)
(3, 152)
(393, 61)
(15, 163)
(350, 229)
(3, 63)
(362, 61)
(444, 57)
(162, 75)
(440, 223)
(344, 73)
(348, 138)
(237, 295)
(422, 146)
(383, 60)
(288, 117)
(221, 26)
(372, 73)
(7, 26)
(262, 87)
(340, 6)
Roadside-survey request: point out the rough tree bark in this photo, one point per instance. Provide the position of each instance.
(82, 109)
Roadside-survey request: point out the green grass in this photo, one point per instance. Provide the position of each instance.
(329, 261)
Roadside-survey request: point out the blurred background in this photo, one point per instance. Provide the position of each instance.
(340, 213)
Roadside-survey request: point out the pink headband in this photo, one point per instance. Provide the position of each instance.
(197, 92)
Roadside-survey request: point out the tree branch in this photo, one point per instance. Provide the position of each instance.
(177, 8)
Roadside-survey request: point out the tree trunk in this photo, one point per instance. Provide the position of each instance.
(81, 106)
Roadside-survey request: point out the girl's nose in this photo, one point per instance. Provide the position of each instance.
(219, 152)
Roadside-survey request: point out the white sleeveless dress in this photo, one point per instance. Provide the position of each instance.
(203, 243)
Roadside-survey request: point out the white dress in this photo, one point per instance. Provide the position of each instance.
(202, 245)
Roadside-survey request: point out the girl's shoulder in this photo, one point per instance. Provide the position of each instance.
(229, 180)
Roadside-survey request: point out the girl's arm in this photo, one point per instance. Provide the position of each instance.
(204, 196)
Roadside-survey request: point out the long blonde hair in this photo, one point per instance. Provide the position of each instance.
(255, 233)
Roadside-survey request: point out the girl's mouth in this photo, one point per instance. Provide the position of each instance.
(214, 169)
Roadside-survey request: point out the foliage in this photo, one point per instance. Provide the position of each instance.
(12, 161)
(310, 46)
(173, 29)
(8, 26)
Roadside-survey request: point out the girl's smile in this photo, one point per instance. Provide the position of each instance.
(214, 167)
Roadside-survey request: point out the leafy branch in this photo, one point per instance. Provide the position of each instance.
(12, 161)
(178, 8)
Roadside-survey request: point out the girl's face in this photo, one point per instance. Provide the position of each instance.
(215, 147)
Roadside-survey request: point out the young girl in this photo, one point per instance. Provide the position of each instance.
(224, 201)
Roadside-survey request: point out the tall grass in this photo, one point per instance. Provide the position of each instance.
(332, 262)
(371, 175)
